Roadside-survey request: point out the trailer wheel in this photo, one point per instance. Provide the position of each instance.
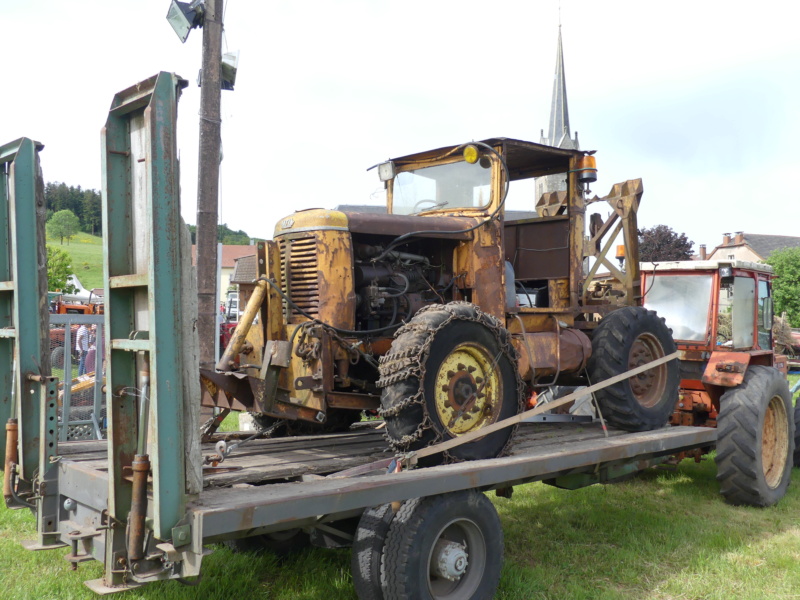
(625, 339)
(280, 543)
(445, 546)
(57, 357)
(755, 439)
(365, 562)
(450, 371)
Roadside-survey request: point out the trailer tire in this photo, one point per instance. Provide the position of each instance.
(365, 562)
(444, 546)
(451, 370)
(625, 339)
(755, 439)
(57, 357)
(279, 543)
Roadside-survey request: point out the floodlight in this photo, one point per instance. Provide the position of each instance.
(185, 16)
(386, 171)
(230, 62)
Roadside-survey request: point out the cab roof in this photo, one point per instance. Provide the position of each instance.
(703, 265)
(524, 159)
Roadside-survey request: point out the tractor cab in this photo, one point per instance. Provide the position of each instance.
(720, 314)
(712, 306)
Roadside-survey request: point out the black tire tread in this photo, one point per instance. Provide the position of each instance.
(739, 424)
(408, 426)
(402, 542)
(610, 344)
(365, 561)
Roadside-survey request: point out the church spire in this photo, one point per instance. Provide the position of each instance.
(558, 133)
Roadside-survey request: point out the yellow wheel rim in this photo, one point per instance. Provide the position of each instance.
(775, 442)
(468, 389)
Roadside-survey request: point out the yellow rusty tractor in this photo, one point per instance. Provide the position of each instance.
(444, 315)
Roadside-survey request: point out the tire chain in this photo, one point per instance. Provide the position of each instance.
(410, 363)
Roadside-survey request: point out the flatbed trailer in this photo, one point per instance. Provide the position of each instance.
(273, 485)
(149, 499)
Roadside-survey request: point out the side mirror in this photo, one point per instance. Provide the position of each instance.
(767, 314)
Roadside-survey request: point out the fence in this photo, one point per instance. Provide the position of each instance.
(82, 412)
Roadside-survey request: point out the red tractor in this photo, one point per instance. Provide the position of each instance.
(720, 313)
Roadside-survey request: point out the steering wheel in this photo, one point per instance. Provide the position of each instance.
(419, 204)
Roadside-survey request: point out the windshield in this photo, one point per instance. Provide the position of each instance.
(683, 301)
(457, 185)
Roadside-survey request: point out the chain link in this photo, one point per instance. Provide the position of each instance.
(411, 362)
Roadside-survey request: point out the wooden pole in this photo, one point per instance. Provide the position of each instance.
(208, 182)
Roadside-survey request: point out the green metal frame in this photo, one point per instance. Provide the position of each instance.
(23, 320)
(141, 215)
(24, 348)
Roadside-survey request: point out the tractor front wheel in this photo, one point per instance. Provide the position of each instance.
(450, 371)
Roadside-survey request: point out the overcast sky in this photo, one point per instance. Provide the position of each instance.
(700, 99)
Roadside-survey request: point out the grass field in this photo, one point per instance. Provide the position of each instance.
(86, 252)
(664, 535)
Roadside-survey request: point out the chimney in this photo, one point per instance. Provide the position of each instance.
(739, 237)
(702, 251)
(726, 239)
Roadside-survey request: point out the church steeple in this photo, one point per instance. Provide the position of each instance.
(559, 134)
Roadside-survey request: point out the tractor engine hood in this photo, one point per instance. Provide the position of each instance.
(316, 219)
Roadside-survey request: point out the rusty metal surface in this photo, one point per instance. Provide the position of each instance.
(395, 225)
(726, 368)
(239, 336)
(548, 352)
(353, 401)
(138, 512)
(524, 159)
(10, 458)
(538, 248)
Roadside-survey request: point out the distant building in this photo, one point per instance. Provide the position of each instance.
(245, 270)
(558, 132)
(754, 247)
(229, 256)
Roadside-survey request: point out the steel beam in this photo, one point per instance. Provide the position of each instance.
(141, 215)
(23, 299)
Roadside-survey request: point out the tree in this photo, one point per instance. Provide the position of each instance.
(225, 235)
(662, 243)
(786, 286)
(59, 268)
(92, 212)
(63, 224)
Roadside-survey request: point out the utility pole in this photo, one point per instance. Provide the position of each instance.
(208, 182)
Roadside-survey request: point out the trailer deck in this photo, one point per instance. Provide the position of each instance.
(236, 501)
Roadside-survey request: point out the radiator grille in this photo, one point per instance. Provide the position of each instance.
(299, 270)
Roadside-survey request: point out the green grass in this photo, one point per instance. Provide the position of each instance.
(86, 252)
(664, 535)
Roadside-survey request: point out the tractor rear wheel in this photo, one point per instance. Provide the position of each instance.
(57, 357)
(755, 439)
(450, 371)
(625, 339)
